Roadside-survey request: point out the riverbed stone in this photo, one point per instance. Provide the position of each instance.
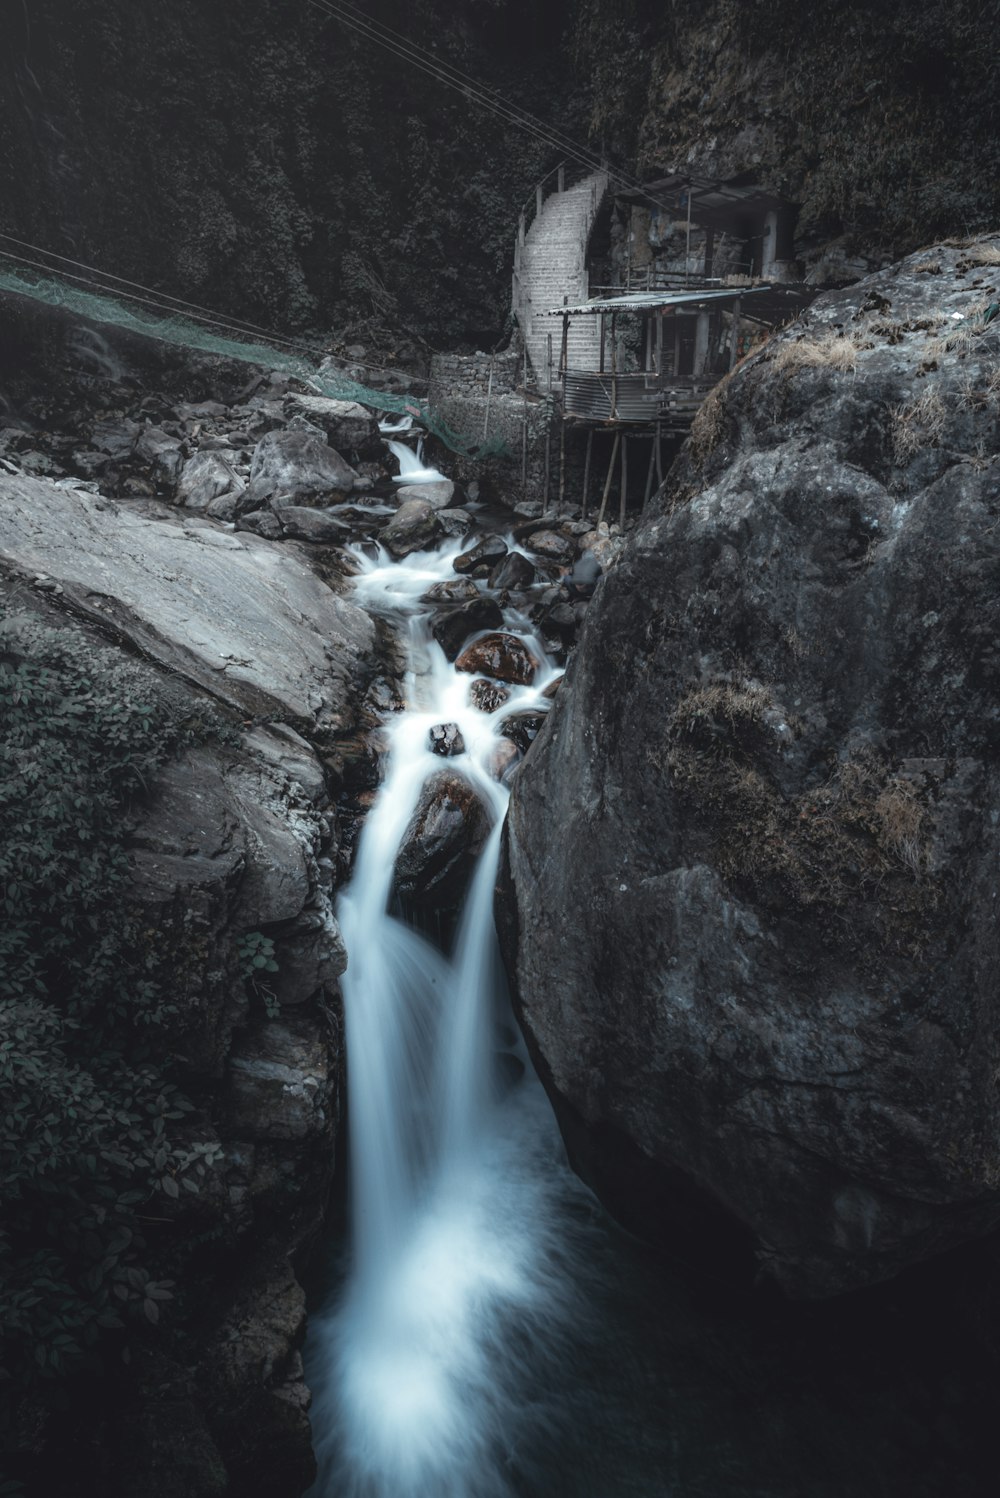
(347, 426)
(487, 551)
(440, 846)
(454, 590)
(440, 494)
(446, 739)
(414, 527)
(452, 629)
(488, 695)
(514, 570)
(502, 656)
(296, 466)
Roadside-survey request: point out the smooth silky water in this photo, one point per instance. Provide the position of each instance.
(489, 1333)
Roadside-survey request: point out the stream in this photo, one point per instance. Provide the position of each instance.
(488, 1332)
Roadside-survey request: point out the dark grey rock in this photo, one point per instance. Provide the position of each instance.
(757, 967)
(451, 630)
(414, 527)
(487, 551)
(347, 426)
(513, 571)
(442, 842)
(293, 466)
(446, 739)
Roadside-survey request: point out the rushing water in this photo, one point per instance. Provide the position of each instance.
(411, 464)
(491, 1334)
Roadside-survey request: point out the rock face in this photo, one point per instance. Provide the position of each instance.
(243, 618)
(231, 852)
(414, 527)
(749, 895)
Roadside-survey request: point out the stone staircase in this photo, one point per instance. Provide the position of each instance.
(550, 264)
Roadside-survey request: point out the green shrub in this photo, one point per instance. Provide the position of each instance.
(91, 1126)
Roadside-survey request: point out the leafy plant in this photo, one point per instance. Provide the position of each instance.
(91, 1126)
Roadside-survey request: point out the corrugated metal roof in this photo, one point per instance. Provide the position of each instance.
(645, 301)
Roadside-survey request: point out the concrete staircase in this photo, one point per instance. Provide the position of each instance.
(550, 264)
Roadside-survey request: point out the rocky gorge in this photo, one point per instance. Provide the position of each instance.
(493, 1002)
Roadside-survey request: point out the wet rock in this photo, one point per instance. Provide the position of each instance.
(553, 687)
(280, 1085)
(442, 842)
(161, 451)
(488, 695)
(414, 527)
(513, 571)
(203, 478)
(264, 523)
(486, 553)
(347, 426)
(116, 438)
(288, 752)
(440, 495)
(552, 545)
(560, 620)
(521, 729)
(255, 1388)
(454, 522)
(503, 757)
(294, 466)
(301, 524)
(774, 778)
(455, 590)
(446, 739)
(502, 656)
(451, 630)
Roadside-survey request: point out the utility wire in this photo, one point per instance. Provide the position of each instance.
(484, 91)
(461, 82)
(175, 306)
(121, 281)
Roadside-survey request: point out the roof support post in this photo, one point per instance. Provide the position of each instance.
(735, 334)
(586, 473)
(607, 481)
(623, 498)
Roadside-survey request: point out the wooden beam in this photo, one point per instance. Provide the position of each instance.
(735, 336)
(586, 473)
(601, 365)
(649, 471)
(623, 498)
(607, 481)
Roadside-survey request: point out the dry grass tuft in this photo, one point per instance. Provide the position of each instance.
(917, 424)
(899, 820)
(825, 351)
(957, 337)
(928, 268)
(983, 254)
(709, 425)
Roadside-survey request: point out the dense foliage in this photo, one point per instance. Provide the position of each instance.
(91, 1126)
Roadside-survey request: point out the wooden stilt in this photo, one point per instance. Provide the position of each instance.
(562, 463)
(548, 464)
(659, 456)
(611, 474)
(586, 474)
(649, 473)
(623, 499)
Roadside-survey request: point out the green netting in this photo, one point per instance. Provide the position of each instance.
(186, 333)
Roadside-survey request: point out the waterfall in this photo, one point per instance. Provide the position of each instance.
(414, 1382)
(411, 465)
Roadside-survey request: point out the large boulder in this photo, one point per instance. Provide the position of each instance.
(445, 836)
(240, 616)
(297, 466)
(749, 894)
(503, 656)
(453, 628)
(414, 527)
(348, 426)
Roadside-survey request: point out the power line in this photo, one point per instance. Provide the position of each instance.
(172, 306)
(514, 111)
(462, 83)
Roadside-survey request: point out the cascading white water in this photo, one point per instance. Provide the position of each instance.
(411, 465)
(415, 1384)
